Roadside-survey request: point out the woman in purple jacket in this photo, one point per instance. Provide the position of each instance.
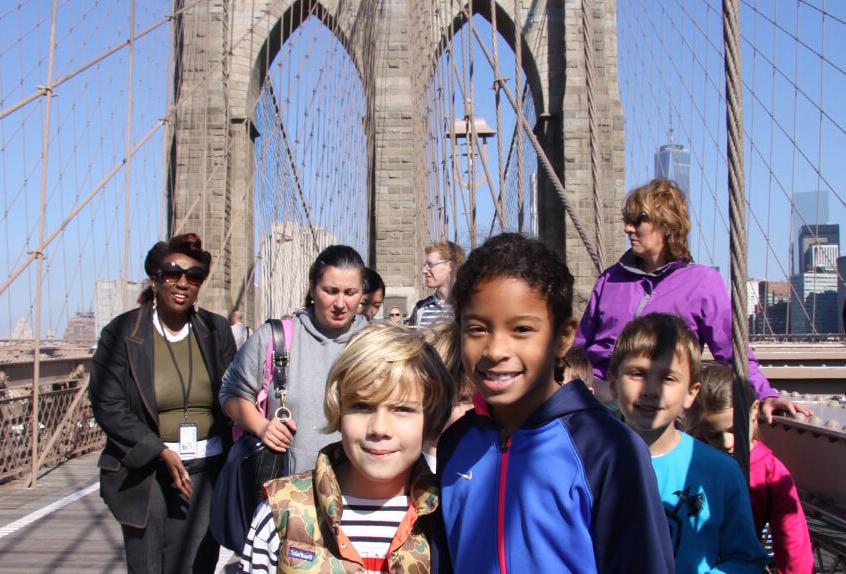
(657, 275)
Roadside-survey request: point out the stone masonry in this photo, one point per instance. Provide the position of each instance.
(222, 48)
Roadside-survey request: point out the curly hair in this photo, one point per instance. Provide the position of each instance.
(510, 255)
(188, 244)
(665, 206)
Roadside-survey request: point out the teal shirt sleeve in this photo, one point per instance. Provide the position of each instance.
(740, 550)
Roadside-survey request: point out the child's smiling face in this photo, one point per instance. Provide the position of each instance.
(382, 441)
(652, 393)
(509, 347)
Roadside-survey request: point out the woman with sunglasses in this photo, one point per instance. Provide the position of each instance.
(321, 330)
(657, 275)
(154, 386)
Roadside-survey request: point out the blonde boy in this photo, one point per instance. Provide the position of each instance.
(654, 372)
(371, 504)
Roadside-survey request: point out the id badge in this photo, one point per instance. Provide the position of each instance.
(187, 438)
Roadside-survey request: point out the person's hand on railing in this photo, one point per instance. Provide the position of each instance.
(776, 405)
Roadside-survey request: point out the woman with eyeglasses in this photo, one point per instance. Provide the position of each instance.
(657, 275)
(154, 386)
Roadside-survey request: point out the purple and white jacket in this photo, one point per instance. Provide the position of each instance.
(696, 293)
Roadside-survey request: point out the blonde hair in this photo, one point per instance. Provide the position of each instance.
(449, 251)
(445, 339)
(665, 206)
(382, 359)
(658, 336)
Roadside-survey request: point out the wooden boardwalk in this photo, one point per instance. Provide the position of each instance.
(81, 536)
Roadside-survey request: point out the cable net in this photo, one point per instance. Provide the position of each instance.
(83, 94)
(672, 83)
(311, 162)
(480, 169)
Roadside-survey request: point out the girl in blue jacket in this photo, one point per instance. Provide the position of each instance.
(539, 477)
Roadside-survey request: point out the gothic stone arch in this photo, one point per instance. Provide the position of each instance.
(222, 46)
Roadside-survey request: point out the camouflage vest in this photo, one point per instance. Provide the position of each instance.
(308, 521)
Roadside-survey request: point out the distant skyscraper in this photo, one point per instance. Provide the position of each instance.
(22, 330)
(813, 306)
(818, 247)
(109, 301)
(815, 285)
(672, 161)
(772, 316)
(287, 252)
(841, 292)
(807, 208)
(81, 328)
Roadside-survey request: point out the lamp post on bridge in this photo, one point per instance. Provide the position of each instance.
(463, 133)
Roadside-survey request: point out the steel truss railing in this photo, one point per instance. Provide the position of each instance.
(66, 429)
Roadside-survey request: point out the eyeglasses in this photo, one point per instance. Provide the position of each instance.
(394, 315)
(170, 273)
(429, 266)
(641, 217)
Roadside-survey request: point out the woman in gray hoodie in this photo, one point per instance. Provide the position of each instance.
(321, 330)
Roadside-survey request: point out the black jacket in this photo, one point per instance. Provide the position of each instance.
(124, 404)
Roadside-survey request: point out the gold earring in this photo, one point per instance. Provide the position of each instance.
(155, 300)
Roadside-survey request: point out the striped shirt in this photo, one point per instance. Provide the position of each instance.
(262, 546)
(431, 310)
(369, 523)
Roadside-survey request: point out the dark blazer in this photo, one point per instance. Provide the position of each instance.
(124, 403)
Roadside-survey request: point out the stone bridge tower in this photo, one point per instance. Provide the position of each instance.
(224, 47)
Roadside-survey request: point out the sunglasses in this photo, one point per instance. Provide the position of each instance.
(641, 217)
(170, 273)
(394, 315)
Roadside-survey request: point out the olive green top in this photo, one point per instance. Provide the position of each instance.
(169, 393)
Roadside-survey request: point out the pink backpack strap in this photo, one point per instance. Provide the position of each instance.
(261, 398)
(288, 333)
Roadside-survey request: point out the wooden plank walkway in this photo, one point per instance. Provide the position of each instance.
(79, 537)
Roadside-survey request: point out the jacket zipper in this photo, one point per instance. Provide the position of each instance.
(647, 295)
(504, 446)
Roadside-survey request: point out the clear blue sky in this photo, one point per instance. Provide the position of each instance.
(88, 129)
(669, 65)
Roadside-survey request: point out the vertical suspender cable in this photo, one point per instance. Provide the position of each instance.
(518, 86)
(42, 215)
(169, 100)
(737, 237)
(593, 129)
(500, 205)
(127, 172)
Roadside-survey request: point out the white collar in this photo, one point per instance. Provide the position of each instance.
(172, 337)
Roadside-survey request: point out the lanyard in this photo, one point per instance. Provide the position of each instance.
(185, 392)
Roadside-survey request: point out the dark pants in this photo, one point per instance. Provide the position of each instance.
(177, 537)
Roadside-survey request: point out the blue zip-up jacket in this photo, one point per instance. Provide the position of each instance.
(572, 490)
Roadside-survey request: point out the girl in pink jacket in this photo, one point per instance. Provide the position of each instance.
(772, 491)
